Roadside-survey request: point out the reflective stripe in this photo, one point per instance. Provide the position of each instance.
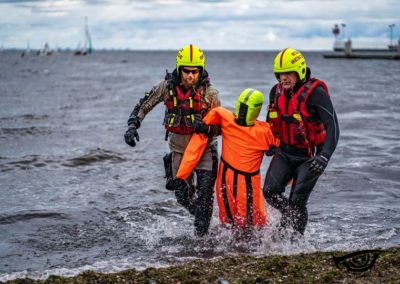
(251, 91)
(297, 116)
(171, 121)
(191, 107)
(273, 114)
(281, 59)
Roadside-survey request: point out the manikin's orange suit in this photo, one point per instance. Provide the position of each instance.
(239, 195)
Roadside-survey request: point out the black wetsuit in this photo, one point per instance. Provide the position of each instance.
(291, 163)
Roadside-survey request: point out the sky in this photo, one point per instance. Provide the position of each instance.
(210, 24)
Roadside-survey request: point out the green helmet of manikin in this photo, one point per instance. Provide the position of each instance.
(248, 106)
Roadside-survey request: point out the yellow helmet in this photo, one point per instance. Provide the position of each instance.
(248, 106)
(190, 55)
(289, 60)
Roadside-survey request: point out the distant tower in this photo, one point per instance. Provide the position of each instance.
(336, 31)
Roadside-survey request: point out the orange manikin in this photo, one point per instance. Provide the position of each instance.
(244, 141)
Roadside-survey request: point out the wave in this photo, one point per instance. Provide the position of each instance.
(25, 163)
(24, 131)
(94, 156)
(28, 72)
(29, 215)
(25, 117)
(38, 161)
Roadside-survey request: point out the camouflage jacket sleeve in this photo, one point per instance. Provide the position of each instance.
(147, 103)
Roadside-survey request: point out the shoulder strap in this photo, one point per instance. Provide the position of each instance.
(275, 95)
(303, 94)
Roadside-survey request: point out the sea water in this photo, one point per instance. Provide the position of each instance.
(75, 197)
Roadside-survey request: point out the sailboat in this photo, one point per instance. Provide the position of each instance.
(46, 50)
(87, 44)
(27, 50)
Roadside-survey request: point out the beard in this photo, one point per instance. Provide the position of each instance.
(189, 81)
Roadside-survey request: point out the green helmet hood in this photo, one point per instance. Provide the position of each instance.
(248, 106)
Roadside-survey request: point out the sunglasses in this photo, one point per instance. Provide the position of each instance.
(187, 71)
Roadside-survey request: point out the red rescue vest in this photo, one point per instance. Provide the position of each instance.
(182, 109)
(292, 123)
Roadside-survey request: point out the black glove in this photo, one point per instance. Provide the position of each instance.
(271, 151)
(130, 135)
(180, 184)
(210, 130)
(318, 164)
(201, 127)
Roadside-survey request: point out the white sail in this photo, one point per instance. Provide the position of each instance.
(87, 43)
(88, 39)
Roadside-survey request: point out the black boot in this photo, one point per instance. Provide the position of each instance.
(182, 195)
(204, 201)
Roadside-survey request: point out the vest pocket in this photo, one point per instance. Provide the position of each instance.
(274, 118)
(298, 129)
(172, 119)
(191, 119)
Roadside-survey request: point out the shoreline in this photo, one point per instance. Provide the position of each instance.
(318, 267)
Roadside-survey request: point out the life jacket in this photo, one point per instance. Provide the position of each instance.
(184, 108)
(292, 123)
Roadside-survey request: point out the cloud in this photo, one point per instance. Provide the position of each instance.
(19, 1)
(213, 24)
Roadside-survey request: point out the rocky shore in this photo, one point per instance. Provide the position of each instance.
(316, 267)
